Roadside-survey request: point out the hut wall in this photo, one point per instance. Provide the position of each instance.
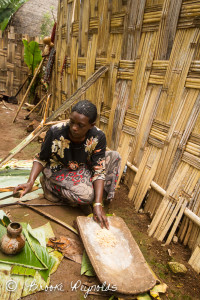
(148, 101)
(13, 70)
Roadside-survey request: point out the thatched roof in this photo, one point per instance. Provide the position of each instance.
(29, 18)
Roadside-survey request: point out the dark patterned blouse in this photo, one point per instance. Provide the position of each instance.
(58, 151)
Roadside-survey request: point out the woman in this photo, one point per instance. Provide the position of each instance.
(75, 164)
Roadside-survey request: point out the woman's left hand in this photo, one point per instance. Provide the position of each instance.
(100, 216)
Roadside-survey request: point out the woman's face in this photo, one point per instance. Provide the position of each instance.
(79, 126)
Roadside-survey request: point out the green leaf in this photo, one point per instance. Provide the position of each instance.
(40, 252)
(107, 215)
(4, 23)
(32, 54)
(86, 267)
(58, 258)
(4, 220)
(7, 9)
(5, 14)
(19, 270)
(23, 283)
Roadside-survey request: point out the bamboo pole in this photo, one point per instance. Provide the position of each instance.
(164, 217)
(30, 85)
(46, 109)
(161, 209)
(27, 116)
(177, 220)
(170, 217)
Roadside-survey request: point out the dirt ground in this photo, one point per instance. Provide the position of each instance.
(157, 255)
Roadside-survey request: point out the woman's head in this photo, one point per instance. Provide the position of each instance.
(86, 108)
(82, 119)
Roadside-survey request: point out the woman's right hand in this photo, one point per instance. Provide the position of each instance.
(25, 187)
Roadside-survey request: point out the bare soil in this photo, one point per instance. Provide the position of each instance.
(157, 255)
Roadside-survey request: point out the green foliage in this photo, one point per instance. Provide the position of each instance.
(4, 220)
(112, 297)
(86, 267)
(32, 54)
(46, 26)
(7, 9)
(20, 270)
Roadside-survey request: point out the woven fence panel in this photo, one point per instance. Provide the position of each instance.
(13, 70)
(148, 101)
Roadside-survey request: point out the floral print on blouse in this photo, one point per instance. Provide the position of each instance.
(59, 151)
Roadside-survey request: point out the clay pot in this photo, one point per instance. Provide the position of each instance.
(14, 241)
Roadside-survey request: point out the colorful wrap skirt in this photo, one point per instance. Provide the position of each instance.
(76, 187)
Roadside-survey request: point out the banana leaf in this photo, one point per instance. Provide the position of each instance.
(58, 258)
(40, 252)
(38, 234)
(32, 54)
(4, 220)
(86, 267)
(7, 8)
(13, 287)
(19, 270)
(26, 285)
(26, 257)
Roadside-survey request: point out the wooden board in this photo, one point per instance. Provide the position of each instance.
(115, 256)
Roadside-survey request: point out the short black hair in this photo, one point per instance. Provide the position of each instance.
(86, 108)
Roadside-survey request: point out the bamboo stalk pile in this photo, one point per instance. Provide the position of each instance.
(13, 70)
(148, 101)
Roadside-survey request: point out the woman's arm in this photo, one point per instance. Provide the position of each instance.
(98, 212)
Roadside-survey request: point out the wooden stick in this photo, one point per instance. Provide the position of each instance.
(42, 205)
(65, 105)
(163, 218)
(54, 122)
(46, 108)
(161, 209)
(171, 216)
(6, 105)
(30, 85)
(27, 116)
(49, 217)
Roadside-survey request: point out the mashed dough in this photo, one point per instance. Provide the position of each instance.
(105, 238)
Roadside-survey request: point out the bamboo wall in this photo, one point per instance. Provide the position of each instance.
(148, 101)
(13, 70)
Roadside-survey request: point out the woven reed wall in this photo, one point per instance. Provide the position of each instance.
(13, 70)
(148, 101)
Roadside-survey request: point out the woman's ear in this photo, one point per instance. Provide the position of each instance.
(93, 124)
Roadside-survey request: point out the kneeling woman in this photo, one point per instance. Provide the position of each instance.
(75, 164)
